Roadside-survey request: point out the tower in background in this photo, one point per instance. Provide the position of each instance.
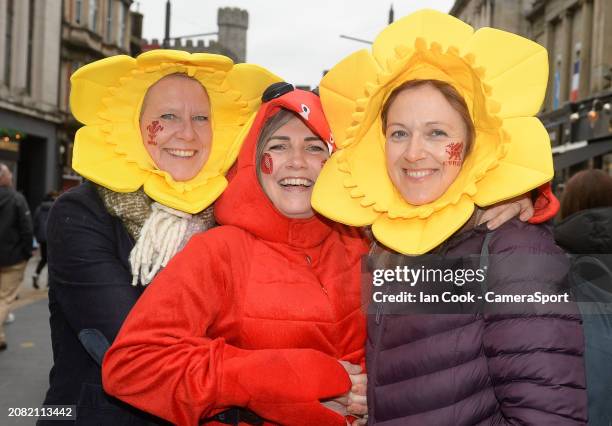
(233, 24)
(231, 37)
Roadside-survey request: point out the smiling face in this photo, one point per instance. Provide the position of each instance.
(175, 126)
(426, 143)
(289, 166)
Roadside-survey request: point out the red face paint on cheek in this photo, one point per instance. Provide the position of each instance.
(267, 165)
(323, 162)
(154, 128)
(455, 154)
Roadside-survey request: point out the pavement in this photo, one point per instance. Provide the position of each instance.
(24, 366)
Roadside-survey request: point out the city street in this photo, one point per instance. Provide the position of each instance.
(337, 147)
(24, 366)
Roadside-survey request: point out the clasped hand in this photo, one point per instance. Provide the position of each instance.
(353, 402)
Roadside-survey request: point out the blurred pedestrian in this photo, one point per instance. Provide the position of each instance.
(586, 213)
(585, 230)
(15, 243)
(40, 232)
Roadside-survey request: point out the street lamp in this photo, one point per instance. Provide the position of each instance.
(166, 43)
(360, 40)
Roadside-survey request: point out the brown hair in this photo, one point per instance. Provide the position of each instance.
(450, 94)
(272, 125)
(587, 189)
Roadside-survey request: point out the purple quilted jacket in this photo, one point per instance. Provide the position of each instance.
(491, 369)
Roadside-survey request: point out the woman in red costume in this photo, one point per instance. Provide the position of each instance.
(249, 322)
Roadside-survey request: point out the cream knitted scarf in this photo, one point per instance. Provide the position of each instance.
(159, 231)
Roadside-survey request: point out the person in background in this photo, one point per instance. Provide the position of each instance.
(438, 123)
(160, 131)
(585, 231)
(40, 232)
(15, 244)
(585, 224)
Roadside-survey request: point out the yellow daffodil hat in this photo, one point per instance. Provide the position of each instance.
(107, 96)
(502, 78)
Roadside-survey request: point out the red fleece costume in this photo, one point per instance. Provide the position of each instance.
(254, 313)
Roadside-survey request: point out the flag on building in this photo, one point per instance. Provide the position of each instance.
(575, 81)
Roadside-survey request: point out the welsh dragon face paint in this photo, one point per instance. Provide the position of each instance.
(153, 129)
(455, 153)
(267, 165)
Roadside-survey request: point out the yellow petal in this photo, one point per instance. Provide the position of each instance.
(444, 29)
(192, 201)
(333, 200)
(342, 86)
(518, 77)
(251, 80)
(527, 164)
(418, 236)
(365, 157)
(94, 159)
(234, 148)
(90, 84)
(155, 58)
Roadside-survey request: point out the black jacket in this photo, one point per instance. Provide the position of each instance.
(41, 215)
(15, 227)
(89, 288)
(587, 231)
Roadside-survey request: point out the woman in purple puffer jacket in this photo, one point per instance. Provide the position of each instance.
(491, 369)
(446, 149)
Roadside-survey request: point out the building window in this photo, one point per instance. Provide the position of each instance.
(109, 21)
(78, 11)
(93, 15)
(71, 68)
(30, 47)
(8, 42)
(607, 164)
(121, 25)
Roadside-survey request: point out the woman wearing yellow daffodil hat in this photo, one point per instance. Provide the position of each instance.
(432, 124)
(160, 132)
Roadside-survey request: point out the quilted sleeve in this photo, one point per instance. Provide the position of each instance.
(534, 350)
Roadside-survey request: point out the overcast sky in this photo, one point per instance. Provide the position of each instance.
(295, 39)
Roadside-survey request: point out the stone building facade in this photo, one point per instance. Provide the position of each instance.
(505, 15)
(29, 74)
(231, 41)
(91, 30)
(578, 37)
(577, 34)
